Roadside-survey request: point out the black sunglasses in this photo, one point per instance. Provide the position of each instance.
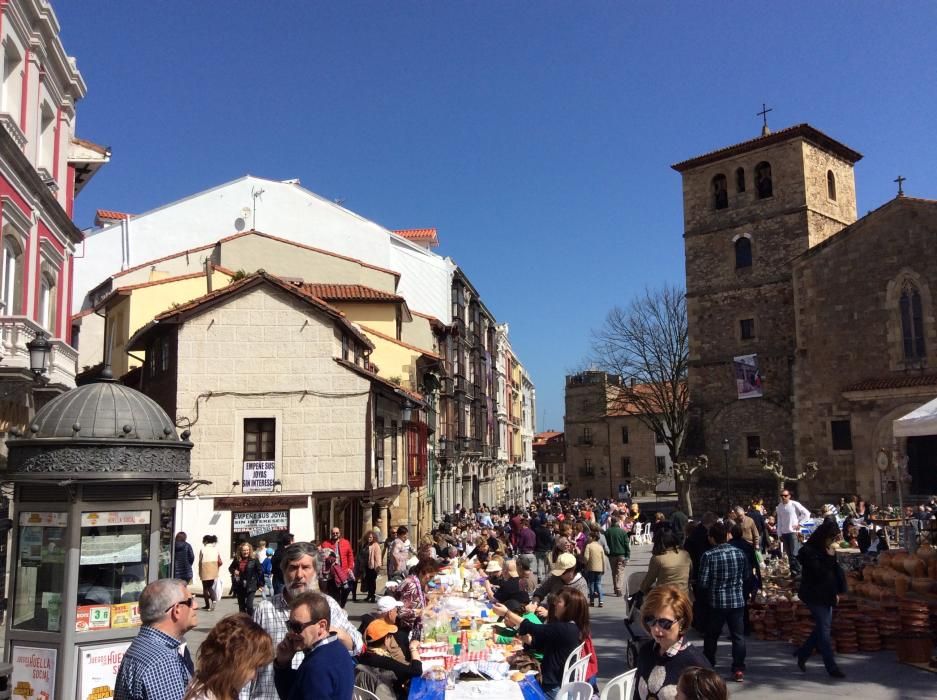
(187, 602)
(298, 627)
(661, 622)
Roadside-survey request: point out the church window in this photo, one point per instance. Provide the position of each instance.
(912, 322)
(743, 252)
(831, 185)
(740, 180)
(720, 192)
(747, 328)
(752, 445)
(841, 433)
(763, 182)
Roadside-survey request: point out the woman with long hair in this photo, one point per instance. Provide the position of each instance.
(669, 566)
(412, 593)
(246, 576)
(209, 563)
(372, 565)
(667, 614)
(567, 627)
(701, 684)
(229, 658)
(822, 582)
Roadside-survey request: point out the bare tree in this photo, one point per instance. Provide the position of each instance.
(683, 477)
(771, 462)
(646, 345)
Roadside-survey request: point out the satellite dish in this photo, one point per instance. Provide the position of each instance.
(239, 224)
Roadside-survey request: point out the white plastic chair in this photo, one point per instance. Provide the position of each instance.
(574, 656)
(574, 691)
(576, 671)
(620, 687)
(362, 694)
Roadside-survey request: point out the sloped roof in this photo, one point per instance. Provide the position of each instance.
(805, 131)
(408, 346)
(422, 235)
(901, 381)
(546, 436)
(368, 374)
(916, 202)
(183, 312)
(348, 292)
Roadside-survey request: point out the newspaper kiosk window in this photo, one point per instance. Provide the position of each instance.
(40, 571)
(114, 558)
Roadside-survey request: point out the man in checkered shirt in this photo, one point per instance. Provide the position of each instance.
(723, 570)
(157, 664)
(299, 575)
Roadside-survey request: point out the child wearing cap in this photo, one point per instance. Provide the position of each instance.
(384, 656)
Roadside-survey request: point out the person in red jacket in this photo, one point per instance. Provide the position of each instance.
(337, 584)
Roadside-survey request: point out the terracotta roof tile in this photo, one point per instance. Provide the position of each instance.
(804, 130)
(903, 381)
(103, 150)
(107, 216)
(420, 234)
(348, 292)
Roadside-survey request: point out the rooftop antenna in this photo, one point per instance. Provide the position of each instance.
(255, 195)
(340, 201)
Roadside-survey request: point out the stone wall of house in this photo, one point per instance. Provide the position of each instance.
(265, 341)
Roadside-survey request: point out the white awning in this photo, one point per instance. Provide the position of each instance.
(921, 421)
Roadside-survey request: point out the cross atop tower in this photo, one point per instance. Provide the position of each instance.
(764, 116)
(900, 180)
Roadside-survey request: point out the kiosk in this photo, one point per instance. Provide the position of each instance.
(95, 481)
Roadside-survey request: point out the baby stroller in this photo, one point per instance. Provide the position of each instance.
(633, 602)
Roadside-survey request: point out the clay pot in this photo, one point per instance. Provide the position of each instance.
(914, 566)
(923, 586)
(927, 552)
(901, 585)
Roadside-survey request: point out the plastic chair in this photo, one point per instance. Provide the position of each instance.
(620, 687)
(574, 656)
(574, 691)
(576, 671)
(362, 694)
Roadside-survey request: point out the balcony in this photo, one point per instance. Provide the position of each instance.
(15, 332)
(460, 383)
(586, 441)
(13, 129)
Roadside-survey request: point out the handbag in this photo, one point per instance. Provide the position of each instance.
(217, 589)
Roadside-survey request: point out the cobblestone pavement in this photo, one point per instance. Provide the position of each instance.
(771, 668)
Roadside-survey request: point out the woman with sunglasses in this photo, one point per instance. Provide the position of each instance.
(667, 614)
(229, 658)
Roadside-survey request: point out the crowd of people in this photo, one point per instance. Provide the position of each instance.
(542, 568)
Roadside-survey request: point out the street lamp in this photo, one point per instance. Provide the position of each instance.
(39, 350)
(725, 456)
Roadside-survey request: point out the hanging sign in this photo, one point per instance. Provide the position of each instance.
(748, 381)
(258, 476)
(255, 524)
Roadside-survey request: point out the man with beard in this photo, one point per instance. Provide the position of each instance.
(299, 576)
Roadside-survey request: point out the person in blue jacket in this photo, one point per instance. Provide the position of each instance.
(327, 671)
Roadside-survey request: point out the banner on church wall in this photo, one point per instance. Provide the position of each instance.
(747, 377)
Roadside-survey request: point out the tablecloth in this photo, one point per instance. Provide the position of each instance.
(421, 689)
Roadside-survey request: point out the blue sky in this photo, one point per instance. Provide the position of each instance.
(536, 136)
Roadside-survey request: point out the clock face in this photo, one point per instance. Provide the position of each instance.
(882, 461)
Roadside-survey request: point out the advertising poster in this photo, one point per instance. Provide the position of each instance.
(258, 476)
(98, 670)
(125, 615)
(92, 617)
(33, 675)
(107, 518)
(261, 523)
(747, 377)
(111, 549)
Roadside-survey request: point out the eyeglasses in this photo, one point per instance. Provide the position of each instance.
(298, 627)
(661, 622)
(785, 495)
(188, 602)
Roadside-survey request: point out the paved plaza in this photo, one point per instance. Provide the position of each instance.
(771, 668)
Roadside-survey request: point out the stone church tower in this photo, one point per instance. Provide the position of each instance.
(749, 210)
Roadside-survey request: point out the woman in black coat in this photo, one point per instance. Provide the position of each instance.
(822, 582)
(247, 578)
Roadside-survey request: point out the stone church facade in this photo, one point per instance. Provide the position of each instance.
(832, 312)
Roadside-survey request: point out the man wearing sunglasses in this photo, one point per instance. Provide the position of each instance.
(789, 516)
(298, 564)
(158, 664)
(327, 671)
